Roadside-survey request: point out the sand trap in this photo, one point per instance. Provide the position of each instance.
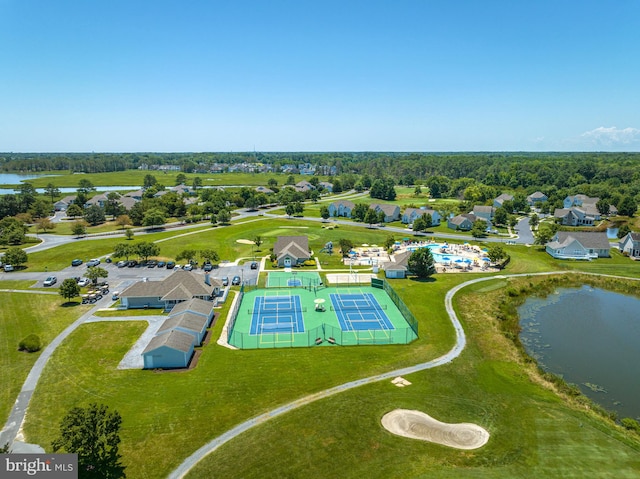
(244, 241)
(418, 425)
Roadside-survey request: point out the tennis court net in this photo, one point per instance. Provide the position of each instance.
(271, 309)
(367, 307)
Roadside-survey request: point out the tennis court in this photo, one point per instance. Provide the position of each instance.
(293, 279)
(276, 314)
(296, 317)
(360, 312)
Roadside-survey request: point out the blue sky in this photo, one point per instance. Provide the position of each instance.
(419, 75)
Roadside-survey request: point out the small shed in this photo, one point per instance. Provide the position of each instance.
(169, 351)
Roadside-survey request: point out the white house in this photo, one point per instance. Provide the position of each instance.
(411, 214)
(397, 267)
(579, 245)
(341, 208)
(630, 244)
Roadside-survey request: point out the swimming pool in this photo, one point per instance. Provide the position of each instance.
(441, 258)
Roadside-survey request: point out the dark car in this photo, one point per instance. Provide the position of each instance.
(254, 265)
(225, 281)
(132, 263)
(235, 281)
(151, 263)
(171, 264)
(76, 262)
(207, 267)
(161, 264)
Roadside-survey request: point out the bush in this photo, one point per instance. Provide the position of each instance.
(310, 262)
(31, 343)
(630, 424)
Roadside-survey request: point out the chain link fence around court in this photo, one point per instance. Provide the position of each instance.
(325, 333)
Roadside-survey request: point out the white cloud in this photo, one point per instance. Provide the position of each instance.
(612, 136)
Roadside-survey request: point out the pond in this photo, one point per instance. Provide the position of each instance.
(591, 338)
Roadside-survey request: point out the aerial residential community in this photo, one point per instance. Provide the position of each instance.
(235, 301)
(390, 240)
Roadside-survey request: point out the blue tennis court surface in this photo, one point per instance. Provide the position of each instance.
(276, 314)
(359, 312)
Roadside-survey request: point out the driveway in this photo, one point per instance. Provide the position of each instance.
(525, 235)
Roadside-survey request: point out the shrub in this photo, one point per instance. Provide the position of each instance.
(630, 424)
(31, 343)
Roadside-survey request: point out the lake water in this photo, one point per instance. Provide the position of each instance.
(13, 178)
(590, 337)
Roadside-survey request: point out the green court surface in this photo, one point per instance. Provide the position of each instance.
(321, 324)
(293, 279)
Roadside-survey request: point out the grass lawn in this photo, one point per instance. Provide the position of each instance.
(20, 315)
(167, 416)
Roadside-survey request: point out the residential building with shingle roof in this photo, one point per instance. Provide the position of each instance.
(579, 245)
(291, 250)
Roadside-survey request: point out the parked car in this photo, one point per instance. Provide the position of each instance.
(225, 281)
(122, 264)
(84, 282)
(50, 281)
(93, 262)
(207, 267)
(171, 264)
(254, 265)
(132, 263)
(236, 281)
(151, 263)
(8, 268)
(161, 264)
(108, 260)
(76, 262)
(187, 267)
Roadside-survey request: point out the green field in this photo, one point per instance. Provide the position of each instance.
(167, 416)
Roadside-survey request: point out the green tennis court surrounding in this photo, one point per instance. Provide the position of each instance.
(359, 315)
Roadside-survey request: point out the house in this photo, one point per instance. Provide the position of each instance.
(462, 222)
(398, 266)
(136, 195)
(327, 186)
(497, 203)
(264, 189)
(64, 203)
(195, 306)
(341, 208)
(127, 202)
(391, 212)
(182, 189)
(291, 250)
(304, 186)
(190, 323)
(577, 216)
(484, 213)
(537, 197)
(630, 244)
(100, 200)
(579, 200)
(169, 351)
(579, 245)
(410, 215)
(179, 286)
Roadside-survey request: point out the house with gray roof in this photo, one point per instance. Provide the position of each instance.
(291, 250)
(195, 306)
(326, 185)
(190, 323)
(341, 208)
(585, 215)
(579, 245)
(484, 213)
(398, 267)
(64, 203)
(169, 351)
(391, 212)
(497, 202)
(630, 245)
(179, 286)
(462, 222)
(263, 189)
(411, 214)
(535, 198)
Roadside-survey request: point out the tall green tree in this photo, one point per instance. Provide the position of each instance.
(74, 211)
(69, 289)
(149, 181)
(627, 206)
(346, 245)
(154, 217)
(79, 228)
(51, 191)
(209, 255)
(96, 272)
(93, 433)
(123, 250)
(94, 215)
(145, 250)
(15, 256)
(421, 263)
(187, 254)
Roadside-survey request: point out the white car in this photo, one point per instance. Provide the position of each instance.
(187, 267)
(8, 268)
(50, 281)
(84, 282)
(93, 262)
